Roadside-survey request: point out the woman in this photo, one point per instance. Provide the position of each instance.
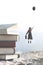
(29, 34)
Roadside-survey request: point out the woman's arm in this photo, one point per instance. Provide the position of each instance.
(32, 28)
(27, 32)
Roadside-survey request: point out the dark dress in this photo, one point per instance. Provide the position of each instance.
(29, 35)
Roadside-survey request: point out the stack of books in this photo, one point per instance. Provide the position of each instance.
(7, 39)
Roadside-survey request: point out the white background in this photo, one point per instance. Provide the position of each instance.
(20, 12)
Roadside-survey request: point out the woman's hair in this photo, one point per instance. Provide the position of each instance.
(29, 27)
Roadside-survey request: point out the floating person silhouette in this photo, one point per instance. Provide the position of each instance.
(29, 35)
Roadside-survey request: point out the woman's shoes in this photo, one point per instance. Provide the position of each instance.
(28, 41)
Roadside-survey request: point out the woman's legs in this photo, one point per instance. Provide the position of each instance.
(29, 41)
